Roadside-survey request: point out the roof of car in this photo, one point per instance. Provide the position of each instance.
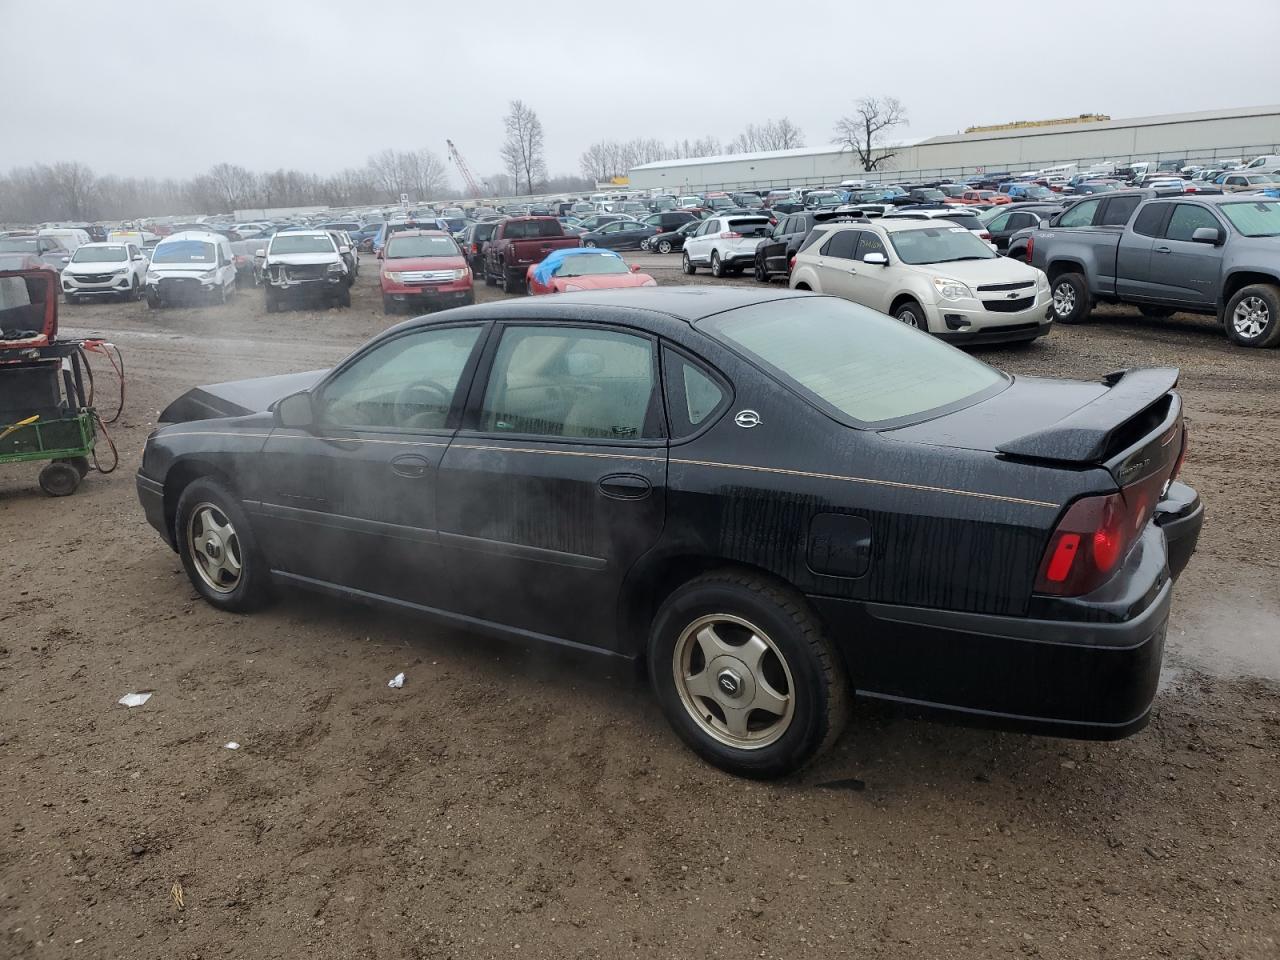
(401, 234)
(205, 235)
(1218, 199)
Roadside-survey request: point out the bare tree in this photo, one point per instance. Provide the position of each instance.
(238, 187)
(864, 130)
(74, 183)
(779, 134)
(522, 151)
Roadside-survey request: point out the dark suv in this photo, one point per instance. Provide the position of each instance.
(773, 254)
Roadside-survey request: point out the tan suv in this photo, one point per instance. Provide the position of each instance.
(933, 275)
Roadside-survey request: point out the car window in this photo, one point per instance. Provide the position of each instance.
(611, 228)
(1000, 221)
(1186, 219)
(852, 360)
(1118, 210)
(842, 244)
(408, 382)
(1081, 215)
(571, 382)
(869, 242)
(693, 393)
(813, 237)
(1150, 219)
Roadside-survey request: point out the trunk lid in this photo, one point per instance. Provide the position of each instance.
(1130, 424)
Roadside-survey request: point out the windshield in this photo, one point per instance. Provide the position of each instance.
(867, 366)
(456, 223)
(400, 247)
(719, 203)
(591, 265)
(1038, 191)
(184, 251)
(938, 245)
(23, 245)
(825, 200)
(1260, 218)
(300, 243)
(929, 194)
(99, 255)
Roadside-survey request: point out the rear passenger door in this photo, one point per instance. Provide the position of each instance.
(556, 483)
(1133, 259)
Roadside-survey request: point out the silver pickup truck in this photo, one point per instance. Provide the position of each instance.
(1217, 255)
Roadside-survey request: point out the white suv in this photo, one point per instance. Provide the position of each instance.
(726, 244)
(105, 269)
(931, 275)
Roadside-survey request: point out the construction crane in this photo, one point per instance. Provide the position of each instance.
(456, 157)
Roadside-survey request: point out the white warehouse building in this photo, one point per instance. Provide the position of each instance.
(1195, 137)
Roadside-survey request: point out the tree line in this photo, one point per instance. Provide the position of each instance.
(71, 191)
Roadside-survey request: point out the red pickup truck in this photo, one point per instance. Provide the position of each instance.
(519, 242)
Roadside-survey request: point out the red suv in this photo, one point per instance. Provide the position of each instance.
(424, 269)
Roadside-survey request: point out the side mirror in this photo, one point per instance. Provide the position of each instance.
(344, 249)
(260, 253)
(1206, 235)
(66, 259)
(635, 268)
(1045, 224)
(879, 259)
(380, 254)
(296, 411)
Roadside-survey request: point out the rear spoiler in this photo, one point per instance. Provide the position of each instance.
(1088, 434)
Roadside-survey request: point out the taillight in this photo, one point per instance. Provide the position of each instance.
(475, 248)
(791, 264)
(1031, 247)
(1094, 536)
(659, 229)
(730, 235)
(984, 235)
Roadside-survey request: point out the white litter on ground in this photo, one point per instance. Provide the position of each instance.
(231, 745)
(134, 699)
(397, 681)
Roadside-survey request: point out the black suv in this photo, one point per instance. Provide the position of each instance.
(773, 255)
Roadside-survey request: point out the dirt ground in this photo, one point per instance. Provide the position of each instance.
(508, 802)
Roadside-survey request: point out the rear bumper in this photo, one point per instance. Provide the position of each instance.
(1085, 668)
(1180, 515)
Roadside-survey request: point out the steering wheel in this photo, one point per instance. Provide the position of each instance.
(415, 395)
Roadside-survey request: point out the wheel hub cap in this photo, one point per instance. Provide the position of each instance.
(214, 547)
(1250, 317)
(1064, 299)
(733, 681)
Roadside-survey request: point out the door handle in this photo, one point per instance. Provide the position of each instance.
(410, 465)
(852, 270)
(625, 486)
(1163, 250)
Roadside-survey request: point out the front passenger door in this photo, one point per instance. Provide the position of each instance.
(1182, 269)
(351, 501)
(556, 484)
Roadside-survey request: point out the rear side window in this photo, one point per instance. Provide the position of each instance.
(814, 236)
(1151, 219)
(1118, 210)
(968, 221)
(1081, 215)
(694, 394)
(848, 359)
(533, 229)
(842, 244)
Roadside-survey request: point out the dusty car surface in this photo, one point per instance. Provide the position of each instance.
(774, 499)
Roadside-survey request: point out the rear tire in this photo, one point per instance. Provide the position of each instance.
(588, 243)
(509, 284)
(762, 275)
(489, 281)
(1071, 300)
(761, 638)
(1252, 317)
(209, 516)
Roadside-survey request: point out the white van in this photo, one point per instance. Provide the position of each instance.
(1268, 163)
(70, 236)
(189, 267)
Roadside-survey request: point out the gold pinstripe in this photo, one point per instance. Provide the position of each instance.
(780, 471)
(881, 483)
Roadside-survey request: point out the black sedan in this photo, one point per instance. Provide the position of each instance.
(776, 500)
(619, 235)
(671, 241)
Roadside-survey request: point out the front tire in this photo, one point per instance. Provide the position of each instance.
(1253, 316)
(745, 675)
(664, 246)
(688, 267)
(218, 549)
(717, 269)
(343, 299)
(912, 315)
(1071, 300)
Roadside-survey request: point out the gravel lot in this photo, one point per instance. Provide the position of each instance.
(508, 802)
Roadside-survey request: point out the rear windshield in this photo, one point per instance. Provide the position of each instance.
(300, 243)
(967, 220)
(421, 247)
(533, 229)
(99, 255)
(22, 245)
(184, 251)
(929, 194)
(750, 226)
(939, 244)
(1260, 218)
(868, 367)
(455, 223)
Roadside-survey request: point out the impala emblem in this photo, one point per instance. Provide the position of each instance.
(747, 419)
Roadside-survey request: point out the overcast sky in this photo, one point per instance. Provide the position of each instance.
(170, 88)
